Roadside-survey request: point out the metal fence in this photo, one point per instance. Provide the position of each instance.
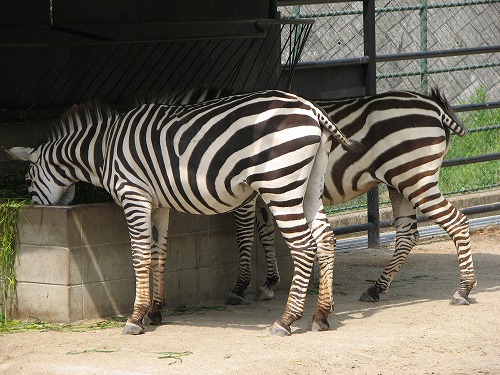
(419, 44)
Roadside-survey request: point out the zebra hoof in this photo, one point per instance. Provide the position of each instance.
(279, 328)
(459, 300)
(320, 324)
(234, 299)
(154, 318)
(133, 328)
(369, 295)
(264, 294)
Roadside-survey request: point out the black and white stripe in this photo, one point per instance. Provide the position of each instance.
(205, 158)
(406, 136)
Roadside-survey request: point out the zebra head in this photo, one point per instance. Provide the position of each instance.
(48, 182)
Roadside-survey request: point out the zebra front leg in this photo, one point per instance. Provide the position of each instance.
(160, 219)
(245, 222)
(405, 222)
(139, 225)
(265, 230)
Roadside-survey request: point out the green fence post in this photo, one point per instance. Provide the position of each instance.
(424, 68)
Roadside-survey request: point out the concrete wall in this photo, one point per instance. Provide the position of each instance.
(75, 262)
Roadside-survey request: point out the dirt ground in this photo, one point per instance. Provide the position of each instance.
(412, 330)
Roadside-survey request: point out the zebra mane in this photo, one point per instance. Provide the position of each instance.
(81, 116)
(182, 97)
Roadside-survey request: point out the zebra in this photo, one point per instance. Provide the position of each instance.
(206, 158)
(406, 135)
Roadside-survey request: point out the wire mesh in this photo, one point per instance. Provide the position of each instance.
(424, 25)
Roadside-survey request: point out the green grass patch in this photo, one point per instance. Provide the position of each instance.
(16, 326)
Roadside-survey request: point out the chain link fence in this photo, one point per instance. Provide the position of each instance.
(424, 25)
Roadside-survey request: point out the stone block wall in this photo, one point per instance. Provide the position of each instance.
(75, 262)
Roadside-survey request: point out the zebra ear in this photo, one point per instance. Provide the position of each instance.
(24, 153)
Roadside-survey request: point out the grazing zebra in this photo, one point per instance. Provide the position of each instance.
(407, 136)
(205, 158)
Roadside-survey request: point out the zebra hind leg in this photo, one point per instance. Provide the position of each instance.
(325, 240)
(405, 222)
(265, 229)
(455, 223)
(302, 249)
(158, 258)
(245, 222)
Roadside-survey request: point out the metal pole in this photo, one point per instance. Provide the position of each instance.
(371, 89)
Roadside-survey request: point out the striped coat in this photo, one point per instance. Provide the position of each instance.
(205, 158)
(406, 136)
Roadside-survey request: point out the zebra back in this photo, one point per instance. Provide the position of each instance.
(203, 94)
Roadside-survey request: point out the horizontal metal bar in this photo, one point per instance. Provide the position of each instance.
(435, 54)
(283, 3)
(410, 8)
(435, 6)
(286, 21)
(471, 160)
(481, 209)
(353, 228)
(436, 71)
(476, 106)
(484, 128)
(363, 60)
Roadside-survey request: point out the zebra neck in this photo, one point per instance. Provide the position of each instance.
(80, 161)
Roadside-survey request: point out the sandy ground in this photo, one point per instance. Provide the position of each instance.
(412, 330)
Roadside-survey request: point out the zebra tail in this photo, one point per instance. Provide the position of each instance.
(449, 119)
(327, 123)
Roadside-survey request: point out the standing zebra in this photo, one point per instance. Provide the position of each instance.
(407, 136)
(206, 158)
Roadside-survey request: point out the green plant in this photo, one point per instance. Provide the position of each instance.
(13, 196)
(8, 234)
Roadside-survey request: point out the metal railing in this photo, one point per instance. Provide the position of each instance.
(372, 60)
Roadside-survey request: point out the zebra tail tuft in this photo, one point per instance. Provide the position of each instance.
(453, 122)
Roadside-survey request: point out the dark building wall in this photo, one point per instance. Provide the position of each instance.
(51, 58)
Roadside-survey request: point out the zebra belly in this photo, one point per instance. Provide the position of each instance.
(203, 203)
(333, 196)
